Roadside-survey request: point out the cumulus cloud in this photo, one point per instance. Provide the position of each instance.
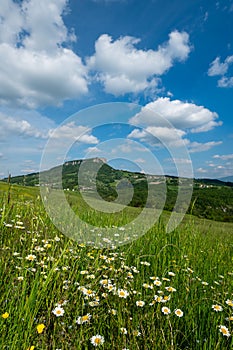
(122, 68)
(167, 123)
(73, 132)
(17, 127)
(181, 115)
(218, 68)
(37, 67)
(158, 136)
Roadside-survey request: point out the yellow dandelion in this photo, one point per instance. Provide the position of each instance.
(40, 327)
(5, 315)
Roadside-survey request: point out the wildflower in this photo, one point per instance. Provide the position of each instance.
(31, 257)
(224, 330)
(8, 225)
(166, 298)
(5, 315)
(229, 318)
(111, 288)
(83, 319)
(93, 303)
(159, 299)
(40, 328)
(140, 303)
(105, 282)
(189, 270)
(217, 308)
(148, 286)
(58, 311)
(123, 330)
(170, 289)
(171, 274)
(229, 302)
(166, 310)
(122, 293)
(157, 283)
(136, 333)
(146, 263)
(113, 312)
(88, 292)
(179, 313)
(97, 340)
(31, 347)
(204, 283)
(20, 278)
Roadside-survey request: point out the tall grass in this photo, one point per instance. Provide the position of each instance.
(189, 269)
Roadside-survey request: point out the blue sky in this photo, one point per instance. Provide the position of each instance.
(174, 59)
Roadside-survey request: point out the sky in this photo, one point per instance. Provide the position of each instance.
(119, 79)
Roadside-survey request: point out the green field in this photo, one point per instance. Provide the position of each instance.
(165, 291)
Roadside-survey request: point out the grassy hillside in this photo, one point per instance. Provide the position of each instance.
(211, 199)
(163, 291)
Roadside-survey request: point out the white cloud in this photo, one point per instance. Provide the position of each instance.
(224, 156)
(181, 160)
(15, 127)
(122, 68)
(28, 170)
(201, 170)
(218, 68)
(73, 132)
(226, 82)
(36, 68)
(182, 115)
(158, 136)
(201, 147)
(93, 149)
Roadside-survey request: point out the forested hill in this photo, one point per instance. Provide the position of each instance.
(212, 198)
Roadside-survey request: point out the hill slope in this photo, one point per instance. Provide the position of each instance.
(211, 198)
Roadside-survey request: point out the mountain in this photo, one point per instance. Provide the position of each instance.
(211, 198)
(227, 178)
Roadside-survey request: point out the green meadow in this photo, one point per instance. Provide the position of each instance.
(162, 291)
